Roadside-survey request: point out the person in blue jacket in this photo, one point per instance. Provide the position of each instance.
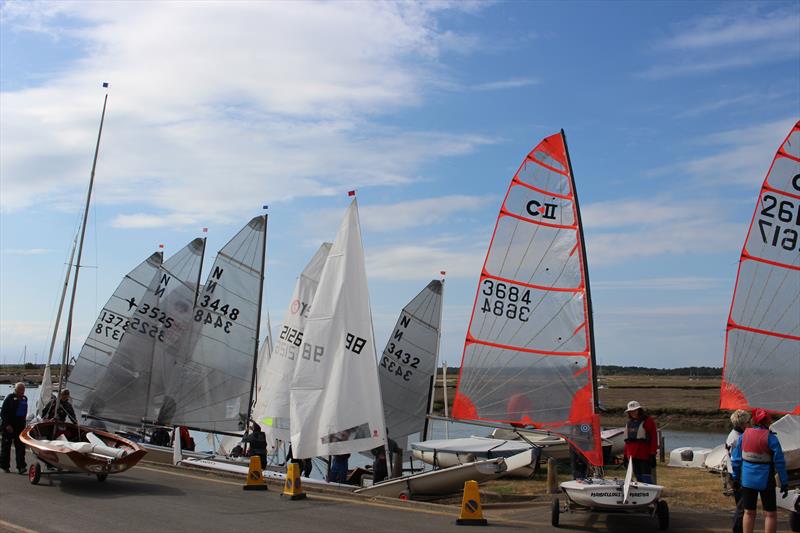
(756, 458)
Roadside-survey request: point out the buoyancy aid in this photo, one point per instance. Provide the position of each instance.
(635, 429)
(755, 446)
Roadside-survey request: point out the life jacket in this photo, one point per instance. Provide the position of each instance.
(635, 429)
(755, 445)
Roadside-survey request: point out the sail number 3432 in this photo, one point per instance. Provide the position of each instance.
(501, 299)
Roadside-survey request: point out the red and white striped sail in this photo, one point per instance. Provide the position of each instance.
(528, 352)
(762, 345)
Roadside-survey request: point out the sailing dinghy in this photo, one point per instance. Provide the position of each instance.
(335, 398)
(66, 446)
(529, 357)
(408, 365)
(272, 405)
(762, 342)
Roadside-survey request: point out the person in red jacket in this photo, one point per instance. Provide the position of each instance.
(641, 442)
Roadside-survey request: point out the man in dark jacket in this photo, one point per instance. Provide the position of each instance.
(257, 442)
(379, 468)
(65, 408)
(13, 415)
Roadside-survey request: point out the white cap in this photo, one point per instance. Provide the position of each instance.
(632, 406)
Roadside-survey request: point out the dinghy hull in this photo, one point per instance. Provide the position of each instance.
(85, 449)
(608, 494)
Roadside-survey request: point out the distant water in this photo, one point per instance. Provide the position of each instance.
(672, 438)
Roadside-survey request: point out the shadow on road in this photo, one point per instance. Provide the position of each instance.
(89, 487)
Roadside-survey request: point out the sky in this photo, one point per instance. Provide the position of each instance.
(673, 112)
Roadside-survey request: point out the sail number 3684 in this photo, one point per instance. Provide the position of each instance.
(501, 299)
(773, 212)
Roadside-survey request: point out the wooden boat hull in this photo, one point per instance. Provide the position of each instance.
(41, 439)
(608, 495)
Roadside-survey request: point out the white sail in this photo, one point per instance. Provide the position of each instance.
(108, 330)
(409, 362)
(156, 339)
(215, 387)
(335, 398)
(272, 400)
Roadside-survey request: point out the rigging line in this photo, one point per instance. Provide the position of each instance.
(777, 321)
(524, 369)
(483, 356)
(531, 340)
(766, 282)
(769, 355)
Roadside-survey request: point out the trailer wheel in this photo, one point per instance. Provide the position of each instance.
(794, 521)
(34, 473)
(555, 511)
(662, 514)
(101, 477)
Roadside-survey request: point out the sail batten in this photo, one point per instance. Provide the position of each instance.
(762, 343)
(528, 353)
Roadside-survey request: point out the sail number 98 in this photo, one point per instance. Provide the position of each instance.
(773, 212)
(501, 299)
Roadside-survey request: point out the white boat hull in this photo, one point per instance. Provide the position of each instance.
(689, 457)
(608, 494)
(165, 454)
(615, 437)
(222, 466)
(448, 480)
(447, 453)
(717, 459)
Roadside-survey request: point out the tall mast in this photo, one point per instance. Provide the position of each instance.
(70, 314)
(589, 313)
(258, 328)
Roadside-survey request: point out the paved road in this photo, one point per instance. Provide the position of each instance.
(149, 498)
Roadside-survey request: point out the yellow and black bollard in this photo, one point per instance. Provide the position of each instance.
(471, 511)
(255, 477)
(293, 488)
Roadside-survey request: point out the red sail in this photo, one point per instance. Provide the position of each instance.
(762, 343)
(528, 353)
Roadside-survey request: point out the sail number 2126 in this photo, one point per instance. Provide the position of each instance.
(510, 301)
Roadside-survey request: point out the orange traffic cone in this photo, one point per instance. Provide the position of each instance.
(471, 511)
(255, 477)
(293, 488)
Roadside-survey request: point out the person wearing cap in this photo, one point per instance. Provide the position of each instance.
(740, 420)
(641, 442)
(756, 458)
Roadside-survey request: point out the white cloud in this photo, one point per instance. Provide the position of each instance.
(741, 36)
(423, 261)
(685, 283)
(400, 215)
(630, 228)
(742, 155)
(513, 83)
(746, 26)
(26, 251)
(213, 109)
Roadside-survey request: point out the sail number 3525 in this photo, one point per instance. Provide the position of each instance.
(773, 213)
(501, 299)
